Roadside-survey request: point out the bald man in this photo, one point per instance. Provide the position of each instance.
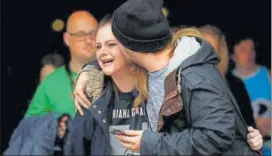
(54, 94)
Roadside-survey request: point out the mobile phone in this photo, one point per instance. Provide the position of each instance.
(117, 132)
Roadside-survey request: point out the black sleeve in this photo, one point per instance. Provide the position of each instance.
(239, 91)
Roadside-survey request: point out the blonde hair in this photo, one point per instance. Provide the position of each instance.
(189, 31)
(222, 49)
(141, 78)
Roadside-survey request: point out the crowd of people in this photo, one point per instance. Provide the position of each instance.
(136, 86)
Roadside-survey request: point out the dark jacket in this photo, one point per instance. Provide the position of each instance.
(204, 121)
(91, 129)
(90, 132)
(34, 136)
(239, 91)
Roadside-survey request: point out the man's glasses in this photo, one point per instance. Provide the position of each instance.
(82, 35)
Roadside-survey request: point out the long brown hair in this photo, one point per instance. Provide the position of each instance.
(209, 32)
(141, 82)
(140, 74)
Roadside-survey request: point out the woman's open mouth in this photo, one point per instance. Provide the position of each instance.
(107, 62)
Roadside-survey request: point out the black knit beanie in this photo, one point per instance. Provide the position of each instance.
(141, 26)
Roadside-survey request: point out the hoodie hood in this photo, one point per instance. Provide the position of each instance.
(191, 51)
(185, 47)
(205, 54)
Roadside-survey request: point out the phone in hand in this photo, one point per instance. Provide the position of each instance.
(117, 132)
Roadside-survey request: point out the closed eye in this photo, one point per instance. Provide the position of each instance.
(112, 44)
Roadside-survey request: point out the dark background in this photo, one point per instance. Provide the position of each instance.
(27, 36)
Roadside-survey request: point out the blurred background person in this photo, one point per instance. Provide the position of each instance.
(217, 39)
(54, 93)
(257, 80)
(50, 63)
